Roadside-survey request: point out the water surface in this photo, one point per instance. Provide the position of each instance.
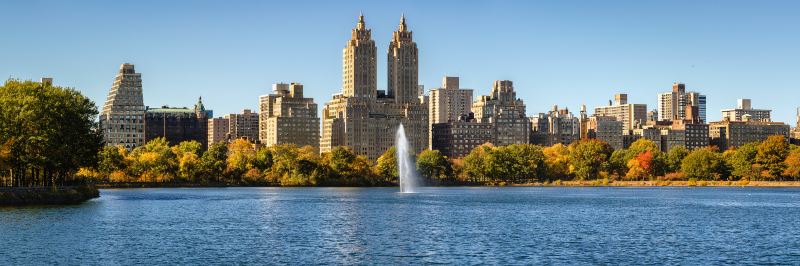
(438, 225)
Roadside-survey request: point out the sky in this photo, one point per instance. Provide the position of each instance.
(564, 53)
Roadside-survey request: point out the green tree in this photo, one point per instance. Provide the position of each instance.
(433, 166)
(771, 157)
(112, 159)
(50, 131)
(703, 164)
(617, 164)
(213, 163)
(588, 156)
(474, 164)
(675, 158)
(263, 159)
(742, 161)
(386, 166)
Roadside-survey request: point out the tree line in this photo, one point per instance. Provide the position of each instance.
(49, 136)
(243, 163)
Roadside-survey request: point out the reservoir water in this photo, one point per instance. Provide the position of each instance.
(300, 226)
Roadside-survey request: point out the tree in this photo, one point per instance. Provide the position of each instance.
(49, 130)
(432, 165)
(617, 164)
(263, 159)
(241, 154)
(772, 155)
(675, 158)
(213, 163)
(154, 162)
(588, 156)
(742, 161)
(792, 164)
(474, 163)
(641, 167)
(703, 164)
(557, 165)
(386, 166)
(112, 159)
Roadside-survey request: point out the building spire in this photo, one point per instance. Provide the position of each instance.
(402, 22)
(361, 24)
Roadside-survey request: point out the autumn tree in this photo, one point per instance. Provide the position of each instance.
(771, 156)
(556, 161)
(386, 166)
(742, 161)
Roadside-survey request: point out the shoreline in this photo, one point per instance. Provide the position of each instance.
(47, 195)
(594, 183)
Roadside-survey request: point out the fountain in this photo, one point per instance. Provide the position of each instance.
(405, 166)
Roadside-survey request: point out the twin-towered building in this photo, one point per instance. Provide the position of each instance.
(362, 117)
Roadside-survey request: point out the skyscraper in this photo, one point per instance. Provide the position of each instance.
(449, 102)
(672, 105)
(365, 119)
(403, 66)
(122, 118)
(286, 117)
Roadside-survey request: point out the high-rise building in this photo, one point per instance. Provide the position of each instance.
(218, 129)
(505, 112)
(554, 127)
(630, 115)
(286, 117)
(365, 119)
(745, 108)
(403, 67)
(672, 105)
(178, 124)
(450, 102)
(728, 134)
(122, 118)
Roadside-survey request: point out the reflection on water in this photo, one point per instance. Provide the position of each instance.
(438, 225)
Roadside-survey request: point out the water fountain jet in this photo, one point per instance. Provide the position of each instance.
(405, 165)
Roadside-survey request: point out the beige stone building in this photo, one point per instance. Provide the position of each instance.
(505, 112)
(234, 126)
(122, 117)
(365, 119)
(218, 129)
(745, 108)
(728, 134)
(630, 115)
(449, 102)
(558, 126)
(286, 117)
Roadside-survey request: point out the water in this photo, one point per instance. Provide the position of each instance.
(405, 165)
(301, 226)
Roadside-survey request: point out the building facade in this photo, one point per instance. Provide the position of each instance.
(554, 127)
(630, 115)
(450, 102)
(456, 139)
(177, 125)
(605, 128)
(744, 109)
(122, 118)
(218, 129)
(505, 112)
(366, 120)
(287, 117)
(728, 134)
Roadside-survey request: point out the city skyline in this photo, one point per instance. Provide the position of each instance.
(179, 77)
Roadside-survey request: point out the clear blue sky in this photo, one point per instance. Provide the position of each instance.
(556, 52)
